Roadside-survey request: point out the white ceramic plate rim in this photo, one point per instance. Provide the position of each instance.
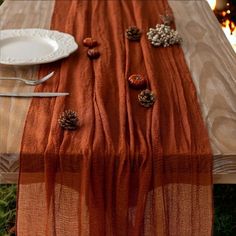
(65, 42)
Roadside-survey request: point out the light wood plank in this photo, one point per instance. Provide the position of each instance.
(212, 63)
(224, 179)
(13, 111)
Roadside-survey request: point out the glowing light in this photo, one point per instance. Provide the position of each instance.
(228, 26)
(230, 35)
(212, 3)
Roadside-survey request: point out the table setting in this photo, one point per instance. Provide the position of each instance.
(116, 117)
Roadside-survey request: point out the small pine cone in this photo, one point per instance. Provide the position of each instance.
(146, 98)
(68, 120)
(133, 33)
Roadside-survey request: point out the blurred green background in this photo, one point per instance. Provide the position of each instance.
(224, 201)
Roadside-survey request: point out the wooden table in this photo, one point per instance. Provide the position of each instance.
(208, 54)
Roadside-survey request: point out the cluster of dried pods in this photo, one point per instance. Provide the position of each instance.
(146, 97)
(162, 35)
(91, 43)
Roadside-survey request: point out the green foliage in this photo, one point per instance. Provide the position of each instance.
(7, 208)
(225, 210)
(224, 201)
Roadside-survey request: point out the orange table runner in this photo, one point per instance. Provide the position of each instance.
(128, 170)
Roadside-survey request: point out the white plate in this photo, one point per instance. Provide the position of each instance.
(34, 46)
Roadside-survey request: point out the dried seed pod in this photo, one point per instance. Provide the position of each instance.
(146, 98)
(167, 19)
(163, 35)
(90, 42)
(68, 120)
(133, 33)
(93, 54)
(137, 81)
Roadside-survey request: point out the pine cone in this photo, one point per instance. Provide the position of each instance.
(68, 120)
(146, 98)
(133, 33)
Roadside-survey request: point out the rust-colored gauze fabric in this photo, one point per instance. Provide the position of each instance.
(128, 170)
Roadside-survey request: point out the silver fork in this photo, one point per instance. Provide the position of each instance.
(30, 82)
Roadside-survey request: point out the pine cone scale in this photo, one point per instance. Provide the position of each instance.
(133, 33)
(146, 98)
(68, 120)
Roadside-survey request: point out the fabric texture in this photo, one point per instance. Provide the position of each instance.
(128, 170)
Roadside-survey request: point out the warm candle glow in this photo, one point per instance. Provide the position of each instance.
(231, 36)
(228, 26)
(212, 3)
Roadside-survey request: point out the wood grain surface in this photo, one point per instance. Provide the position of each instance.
(14, 15)
(212, 63)
(208, 54)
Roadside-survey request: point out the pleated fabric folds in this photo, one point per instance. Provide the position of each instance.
(127, 170)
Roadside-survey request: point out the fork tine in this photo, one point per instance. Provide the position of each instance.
(36, 82)
(30, 82)
(49, 75)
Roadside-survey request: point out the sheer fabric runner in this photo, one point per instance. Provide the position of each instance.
(128, 170)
